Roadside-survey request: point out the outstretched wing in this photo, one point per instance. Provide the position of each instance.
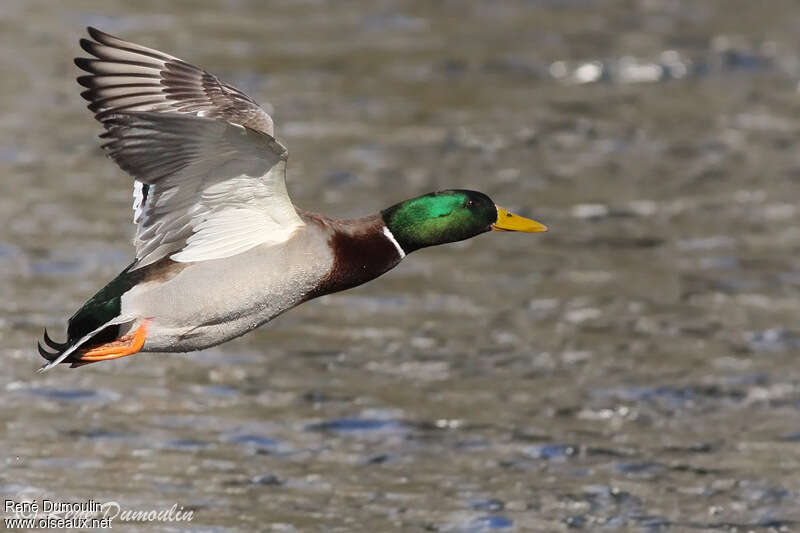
(215, 189)
(129, 77)
(210, 178)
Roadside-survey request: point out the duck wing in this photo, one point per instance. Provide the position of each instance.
(210, 176)
(125, 76)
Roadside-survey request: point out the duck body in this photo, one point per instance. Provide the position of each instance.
(192, 306)
(220, 247)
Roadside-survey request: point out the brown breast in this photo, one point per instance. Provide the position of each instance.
(361, 252)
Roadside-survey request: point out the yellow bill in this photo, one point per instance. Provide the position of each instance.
(507, 221)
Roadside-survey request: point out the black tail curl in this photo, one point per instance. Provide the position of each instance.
(59, 347)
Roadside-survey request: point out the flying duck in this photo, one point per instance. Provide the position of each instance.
(220, 248)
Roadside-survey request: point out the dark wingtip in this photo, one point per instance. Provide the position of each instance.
(83, 63)
(96, 34)
(102, 37)
(87, 46)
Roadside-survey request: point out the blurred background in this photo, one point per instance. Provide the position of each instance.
(633, 369)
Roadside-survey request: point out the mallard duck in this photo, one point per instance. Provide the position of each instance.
(220, 248)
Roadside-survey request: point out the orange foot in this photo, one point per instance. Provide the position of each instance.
(126, 345)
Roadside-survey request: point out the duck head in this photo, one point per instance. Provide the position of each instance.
(449, 216)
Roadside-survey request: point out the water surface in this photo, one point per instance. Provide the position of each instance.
(634, 369)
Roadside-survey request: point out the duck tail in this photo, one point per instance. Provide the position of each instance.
(95, 323)
(59, 347)
(64, 351)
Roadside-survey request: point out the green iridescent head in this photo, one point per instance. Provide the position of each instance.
(449, 216)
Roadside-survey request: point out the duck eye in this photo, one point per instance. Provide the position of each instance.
(469, 203)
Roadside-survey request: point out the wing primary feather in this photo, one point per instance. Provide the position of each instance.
(209, 173)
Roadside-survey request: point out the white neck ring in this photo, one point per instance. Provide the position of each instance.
(389, 236)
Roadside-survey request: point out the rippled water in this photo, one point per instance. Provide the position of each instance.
(634, 369)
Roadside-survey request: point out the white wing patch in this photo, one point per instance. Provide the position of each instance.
(235, 221)
(205, 189)
(139, 200)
